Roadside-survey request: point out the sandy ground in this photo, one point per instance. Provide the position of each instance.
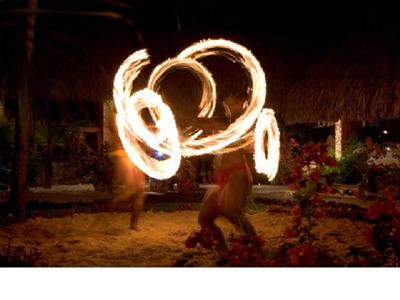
(103, 239)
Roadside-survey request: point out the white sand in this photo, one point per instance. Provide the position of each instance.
(103, 239)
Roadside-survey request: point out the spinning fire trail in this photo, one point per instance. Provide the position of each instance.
(164, 137)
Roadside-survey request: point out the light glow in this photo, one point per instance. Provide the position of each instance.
(163, 135)
(133, 132)
(338, 139)
(266, 122)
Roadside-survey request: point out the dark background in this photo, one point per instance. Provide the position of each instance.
(301, 30)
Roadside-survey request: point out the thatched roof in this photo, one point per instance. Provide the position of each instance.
(61, 73)
(61, 79)
(64, 68)
(359, 80)
(79, 79)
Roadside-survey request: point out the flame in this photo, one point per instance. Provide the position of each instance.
(239, 130)
(134, 132)
(266, 122)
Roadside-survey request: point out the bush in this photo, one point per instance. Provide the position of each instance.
(7, 155)
(19, 256)
(353, 163)
(378, 177)
(384, 233)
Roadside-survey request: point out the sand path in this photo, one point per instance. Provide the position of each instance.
(103, 239)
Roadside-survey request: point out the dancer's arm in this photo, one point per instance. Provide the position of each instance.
(209, 125)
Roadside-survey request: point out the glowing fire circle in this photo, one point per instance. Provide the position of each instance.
(165, 139)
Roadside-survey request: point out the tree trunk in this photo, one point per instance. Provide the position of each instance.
(30, 33)
(20, 167)
(23, 119)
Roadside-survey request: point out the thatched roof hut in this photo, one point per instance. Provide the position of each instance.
(61, 72)
(60, 78)
(359, 80)
(69, 79)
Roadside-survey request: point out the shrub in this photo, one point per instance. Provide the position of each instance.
(384, 233)
(19, 256)
(353, 163)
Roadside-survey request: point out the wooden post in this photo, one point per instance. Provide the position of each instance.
(23, 118)
(345, 131)
(30, 33)
(20, 166)
(338, 140)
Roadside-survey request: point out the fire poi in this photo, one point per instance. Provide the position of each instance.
(163, 136)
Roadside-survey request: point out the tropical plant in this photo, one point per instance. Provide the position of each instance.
(379, 177)
(19, 256)
(309, 178)
(384, 233)
(7, 152)
(353, 163)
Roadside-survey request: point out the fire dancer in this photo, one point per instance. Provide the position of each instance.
(128, 180)
(233, 179)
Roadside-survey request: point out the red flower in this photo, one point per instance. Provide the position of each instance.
(369, 235)
(331, 161)
(294, 186)
(319, 213)
(389, 196)
(206, 239)
(315, 176)
(382, 207)
(327, 189)
(316, 199)
(303, 255)
(192, 240)
(376, 210)
(293, 143)
(258, 241)
(294, 256)
(309, 256)
(291, 233)
(296, 210)
(297, 172)
(395, 233)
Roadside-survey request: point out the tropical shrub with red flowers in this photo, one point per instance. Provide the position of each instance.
(378, 177)
(384, 233)
(244, 251)
(303, 254)
(241, 251)
(288, 151)
(202, 237)
(311, 175)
